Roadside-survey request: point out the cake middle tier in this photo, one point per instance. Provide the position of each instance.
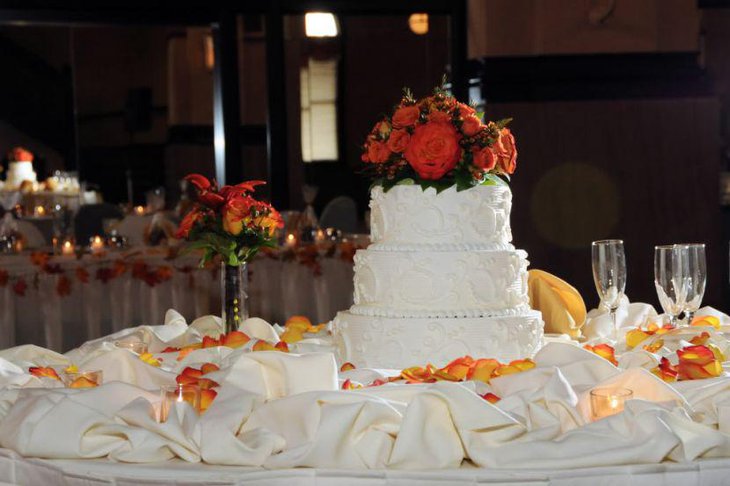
(440, 283)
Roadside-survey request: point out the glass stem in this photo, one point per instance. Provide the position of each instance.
(673, 320)
(615, 324)
(689, 315)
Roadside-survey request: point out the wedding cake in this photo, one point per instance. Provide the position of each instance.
(20, 169)
(441, 278)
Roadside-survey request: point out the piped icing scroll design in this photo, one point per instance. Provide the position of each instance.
(411, 215)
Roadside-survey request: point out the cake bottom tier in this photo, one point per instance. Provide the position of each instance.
(398, 343)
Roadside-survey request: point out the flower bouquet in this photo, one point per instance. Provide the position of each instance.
(438, 142)
(229, 222)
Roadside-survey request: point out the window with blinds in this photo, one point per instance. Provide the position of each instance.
(318, 81)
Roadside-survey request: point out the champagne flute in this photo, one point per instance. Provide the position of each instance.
(670, 279)
(609, 274)
(696, 268)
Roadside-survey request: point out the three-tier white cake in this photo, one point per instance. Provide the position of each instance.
(440, 280)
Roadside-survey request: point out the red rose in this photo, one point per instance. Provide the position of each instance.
(378, 152)
(439, 116)
(485, 158)
(406, 116)
(398, 141)
(506, 151)
(471, 126)
(187, 223)
(434, 149)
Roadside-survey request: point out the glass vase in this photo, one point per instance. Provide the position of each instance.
(234, 295)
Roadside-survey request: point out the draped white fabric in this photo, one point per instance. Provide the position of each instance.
(281, 411)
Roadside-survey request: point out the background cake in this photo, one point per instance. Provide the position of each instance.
(18, 172)
(440, 280)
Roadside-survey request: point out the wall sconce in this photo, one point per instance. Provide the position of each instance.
(208, 52)
(320, 24)
(418, 23)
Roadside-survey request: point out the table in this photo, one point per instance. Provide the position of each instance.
(16, 469)
(58, 310)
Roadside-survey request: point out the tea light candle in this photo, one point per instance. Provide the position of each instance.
(139, 210)
(609, 401)
(67, 247)
(175, 395)
(320, 235)
(291, 240)
(39, 211)
(19, 245)
(96, 243)
(83, 379)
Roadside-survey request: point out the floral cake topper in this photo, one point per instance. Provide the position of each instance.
(438, 142)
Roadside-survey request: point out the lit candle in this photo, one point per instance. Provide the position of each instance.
(96, 243)
(175, 395)
(67, 247)
(320, 235)
(609, 401)
(137, 347)
(19, 245)
(291, 240)
(139, 210)
(39, 211)
(83, 379)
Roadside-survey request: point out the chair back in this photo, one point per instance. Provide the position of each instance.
(340, 213)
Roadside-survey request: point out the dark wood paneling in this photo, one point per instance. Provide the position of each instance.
(650, 166)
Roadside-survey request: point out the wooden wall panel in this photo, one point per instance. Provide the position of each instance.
(645, 171)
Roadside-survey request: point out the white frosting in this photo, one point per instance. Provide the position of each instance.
(382, 342)
(20, 171)
(439, 283)
(409, 215)
(441, 280)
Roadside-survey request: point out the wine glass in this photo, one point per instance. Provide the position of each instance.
(670, 279)
(695, 264)
(609, 274)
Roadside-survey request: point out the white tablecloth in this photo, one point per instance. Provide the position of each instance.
(278, 289)
(15, 469)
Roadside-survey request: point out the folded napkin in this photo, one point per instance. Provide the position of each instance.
(562, 307)
(599, 323)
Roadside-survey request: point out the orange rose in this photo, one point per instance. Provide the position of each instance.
(484, 158)
(506, 151)
(406, 116)
(439, 116)
(378, 152)
(471, 126)
(398, 141)
(187, 223)
(434, 150)
(235, 212)
(466, 110)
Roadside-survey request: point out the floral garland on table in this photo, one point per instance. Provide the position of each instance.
(311, 256)
(438, 142)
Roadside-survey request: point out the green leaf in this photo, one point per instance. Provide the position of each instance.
(406, 182)
(503, 122)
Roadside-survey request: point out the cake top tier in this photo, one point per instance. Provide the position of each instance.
(408, 217)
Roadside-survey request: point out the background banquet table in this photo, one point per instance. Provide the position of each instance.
(52, 306)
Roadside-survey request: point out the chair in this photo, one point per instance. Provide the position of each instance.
(89, 221)
(33, 236)
(340, 213)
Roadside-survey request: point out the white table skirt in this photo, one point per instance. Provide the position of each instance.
(15, 469)
(277, 291)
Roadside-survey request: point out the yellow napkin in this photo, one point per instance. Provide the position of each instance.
(562, 307)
